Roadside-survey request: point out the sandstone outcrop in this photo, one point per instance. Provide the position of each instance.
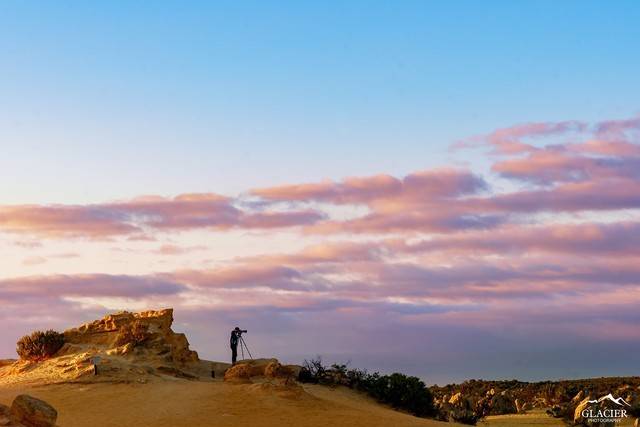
(119, 347)
(577, 413)
(243, 371)
(27, 411)
(161, 338)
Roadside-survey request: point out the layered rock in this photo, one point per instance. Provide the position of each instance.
(119, 347)
(243, 371)
(162, 340)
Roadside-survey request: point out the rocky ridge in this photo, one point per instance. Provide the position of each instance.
(154, 350)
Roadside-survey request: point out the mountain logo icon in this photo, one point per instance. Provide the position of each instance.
(619, 401)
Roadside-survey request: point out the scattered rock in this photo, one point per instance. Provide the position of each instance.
(556, 411)
(559, 398)
(33, 412)
(577, 413)
(456, 399)
(240, 373)
(459, 409)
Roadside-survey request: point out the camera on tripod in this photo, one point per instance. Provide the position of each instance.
(243, 345)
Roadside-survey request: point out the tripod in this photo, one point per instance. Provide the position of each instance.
(243, 347)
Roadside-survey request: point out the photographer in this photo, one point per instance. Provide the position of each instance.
(236, 334)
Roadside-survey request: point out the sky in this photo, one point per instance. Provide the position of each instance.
(445, 189)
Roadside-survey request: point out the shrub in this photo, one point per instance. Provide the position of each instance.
(409, 393)
(398, 390)
(313, 371)
(133, 333)
(39, 345)
(356, 378)
(635, 410)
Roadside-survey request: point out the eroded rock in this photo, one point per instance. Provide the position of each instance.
(33, 412)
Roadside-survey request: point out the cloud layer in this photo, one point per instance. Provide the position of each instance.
(434, 254)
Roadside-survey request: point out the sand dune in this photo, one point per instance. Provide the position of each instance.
(183, 403)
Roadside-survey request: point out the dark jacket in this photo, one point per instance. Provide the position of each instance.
(234, 339)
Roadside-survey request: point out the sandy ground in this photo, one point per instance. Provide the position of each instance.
(182, 403)
(535, 418)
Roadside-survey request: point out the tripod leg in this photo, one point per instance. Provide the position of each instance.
(247, 347)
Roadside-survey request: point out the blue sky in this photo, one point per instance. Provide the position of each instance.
(103, 101)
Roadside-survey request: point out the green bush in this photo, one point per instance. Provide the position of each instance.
(133, 333)
(401, 392)
(39, 345)
(635, 410)
(398, 390)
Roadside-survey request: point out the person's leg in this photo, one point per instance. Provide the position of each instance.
(234, 355)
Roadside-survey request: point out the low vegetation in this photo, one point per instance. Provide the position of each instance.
(398, 390)
(39, 345)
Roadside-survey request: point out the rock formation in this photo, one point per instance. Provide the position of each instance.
(27, 411)
(120, 347)
(161, 339)
(561, 399)
(242, 372)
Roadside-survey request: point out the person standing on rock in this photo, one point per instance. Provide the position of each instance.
(235, 337)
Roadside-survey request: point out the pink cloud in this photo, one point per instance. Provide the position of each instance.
(562, 164)
(599, 173)
(617, 129)
(86, 285)
(440, 183)
(187, 211)
(509, 140)
(169, 249)
(61, 220)
(590, 238)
